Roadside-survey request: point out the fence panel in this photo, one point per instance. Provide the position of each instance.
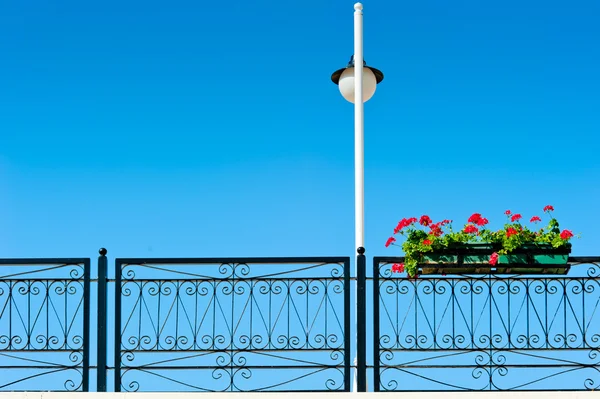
(492, 332)
(44, 324)
(256, 324)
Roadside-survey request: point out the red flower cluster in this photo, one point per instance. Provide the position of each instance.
(436, 230)
(511, 232)
(535, 219)
(474, 218)
(494, 259)
(515, 217)
(470, 228)
(548, 208)
(507, 212)
(398, 268)
(404, 223)
(389, 241)
(428, 242)
(425, 220)
(566, 234)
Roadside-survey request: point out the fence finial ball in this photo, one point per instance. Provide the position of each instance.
(103, 251)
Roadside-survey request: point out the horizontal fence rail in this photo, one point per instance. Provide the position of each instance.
(241, 324)
(491, 332)
(44, 324)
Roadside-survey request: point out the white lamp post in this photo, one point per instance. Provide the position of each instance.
(358, 85)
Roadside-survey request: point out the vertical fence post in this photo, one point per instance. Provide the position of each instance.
(86, 326)
(375, 341)
(102, 290)
(361, 320)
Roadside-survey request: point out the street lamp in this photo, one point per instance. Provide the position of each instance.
(358, 85)
(344, 78)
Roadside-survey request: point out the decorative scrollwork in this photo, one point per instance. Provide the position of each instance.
(231, 322)
(42, 338)
(478, 332)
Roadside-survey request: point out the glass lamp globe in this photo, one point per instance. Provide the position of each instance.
(346, 84)
(344, 78)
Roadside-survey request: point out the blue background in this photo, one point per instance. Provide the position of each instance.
(212, 128)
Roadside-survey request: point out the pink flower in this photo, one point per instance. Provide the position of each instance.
(398, 268)
(507, 213)
(548, 208)
(535, 219)
(494, 259)
(515, 217)
(389, 241)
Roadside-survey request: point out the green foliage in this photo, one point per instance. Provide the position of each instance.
(441, 236)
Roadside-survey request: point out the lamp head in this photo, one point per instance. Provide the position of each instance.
(344, 78)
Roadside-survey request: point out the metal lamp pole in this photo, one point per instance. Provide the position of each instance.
(359, 201)
(359, 131)
(357, 83)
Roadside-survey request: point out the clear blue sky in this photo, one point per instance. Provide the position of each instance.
(212, 128)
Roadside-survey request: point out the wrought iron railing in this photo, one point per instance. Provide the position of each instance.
(284, 324)
(255, 324)
(500, 332)
(44, 324)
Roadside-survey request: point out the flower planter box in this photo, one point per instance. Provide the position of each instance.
(474, 259)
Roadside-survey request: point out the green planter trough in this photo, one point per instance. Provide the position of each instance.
(474, 259)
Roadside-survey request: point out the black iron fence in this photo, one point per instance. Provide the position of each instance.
(252, 324)
(44, 324)
(493, 332)
(292, 324)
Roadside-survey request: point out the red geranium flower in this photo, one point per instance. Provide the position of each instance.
(535, 219)
(400, 226)
(566, 234)
(445, 222)
(470, 228)
(515, 217)
(482, 222)
(398, 268)
(389, 241)
(548, 208)
(404, 223)
(425, 220)
(426, 242)
(474, 218)
(493, 259)
(511, 232)
(507, 213)
(435, 229)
